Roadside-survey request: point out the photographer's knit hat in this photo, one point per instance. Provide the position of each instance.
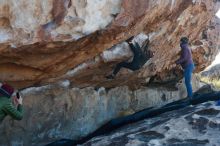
(6, 90)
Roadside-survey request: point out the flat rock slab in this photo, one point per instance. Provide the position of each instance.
(192, 126)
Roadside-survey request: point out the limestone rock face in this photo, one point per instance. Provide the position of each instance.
(195, 125)
(63, 49)
(212, 73)
(58, 111)
(26, 22)
(41, 41)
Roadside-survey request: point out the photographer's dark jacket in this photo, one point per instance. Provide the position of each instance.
(7, 108)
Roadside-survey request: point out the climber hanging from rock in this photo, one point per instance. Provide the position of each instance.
(141, 56)
(10, 103)
(187, 64)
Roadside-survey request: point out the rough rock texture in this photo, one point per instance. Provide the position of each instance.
(43, 40)
(77, 43)
(212, 73)
(58, 111)
(30, 21)
(191, 126)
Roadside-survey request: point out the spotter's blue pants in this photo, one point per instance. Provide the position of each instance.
(188, 77)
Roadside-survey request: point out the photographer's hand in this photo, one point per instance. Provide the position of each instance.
(20, 100)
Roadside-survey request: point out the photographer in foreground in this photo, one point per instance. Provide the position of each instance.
(10, 103)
